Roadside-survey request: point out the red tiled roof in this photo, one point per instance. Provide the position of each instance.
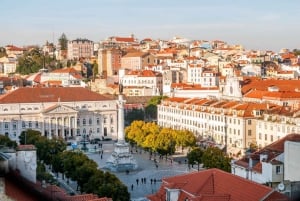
(26, 147)
(51, 94)
(272, 150)
(262, 85)
(65, 70)
(124, 39)
(37, 78)
(213, 184)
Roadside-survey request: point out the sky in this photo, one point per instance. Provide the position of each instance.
(255, 24)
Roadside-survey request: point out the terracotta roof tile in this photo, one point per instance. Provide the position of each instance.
(51, 94)
(212, 184)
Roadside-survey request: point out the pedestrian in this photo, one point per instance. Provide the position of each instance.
(137, 182)
(156, 166)
(131, 187)
(144, 180)
(151, 181)
(101, 156)
(154, 181)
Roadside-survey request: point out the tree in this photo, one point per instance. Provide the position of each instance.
(184, 138)
(151, 108)
(95, 70)
(5, 141)
(195, 157)
(33, 60)
(63, 42)
(29, 136)
(2, 52)
(214, 157)
(134, 115)
(164, 142)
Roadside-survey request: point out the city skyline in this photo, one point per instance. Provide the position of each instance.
(266, 25)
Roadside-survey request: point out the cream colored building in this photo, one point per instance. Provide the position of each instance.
(275, 124)
(134, 82)
(228, 123)
(137, 60)
(70, 112)
(80, 48)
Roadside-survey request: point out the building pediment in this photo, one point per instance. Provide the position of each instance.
(59, 109)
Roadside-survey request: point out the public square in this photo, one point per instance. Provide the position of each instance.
(139, 181)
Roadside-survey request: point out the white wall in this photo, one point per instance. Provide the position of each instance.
(26, 164)
(292, 161)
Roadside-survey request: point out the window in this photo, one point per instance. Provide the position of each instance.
(30, 124)
(36, 124)
(249, 132)
(278, 169)
(249, 122)
(266, 137)
(90, 121)
(98, 121)
(98, 130)
(14, 125)
(259, 136)
(78, 122)
(83, 122)
(6, 125)
(105, 120)
(23, 124)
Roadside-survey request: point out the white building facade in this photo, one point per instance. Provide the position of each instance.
(68, 113)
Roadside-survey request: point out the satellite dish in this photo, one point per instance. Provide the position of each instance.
(281, 186)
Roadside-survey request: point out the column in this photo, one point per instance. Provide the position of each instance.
(50, 128)
(56, 126)
(69, 118)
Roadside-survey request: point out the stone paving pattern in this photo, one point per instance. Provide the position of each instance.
(146, 169)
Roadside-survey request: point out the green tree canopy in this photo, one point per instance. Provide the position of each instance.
(63, 42)
(134, 115)
(195, 157)
(214, 157)
(34, 60)
(151, 108)
(2, 52)
(7, 142)
(95, 69)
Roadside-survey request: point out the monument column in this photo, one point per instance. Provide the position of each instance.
(121, 136)
(121, 158)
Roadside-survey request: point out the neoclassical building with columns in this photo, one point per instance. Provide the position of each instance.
(65, 112)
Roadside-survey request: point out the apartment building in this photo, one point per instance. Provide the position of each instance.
(230, 123)
(8, 65)
(109, 61)
(80, 48)
(276, 165)
(65, 112)
(137, 60)
(276, 123)
(141, 82)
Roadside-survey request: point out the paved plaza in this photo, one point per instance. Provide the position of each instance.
(139, 181)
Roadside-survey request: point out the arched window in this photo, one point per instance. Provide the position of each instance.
(83, 122)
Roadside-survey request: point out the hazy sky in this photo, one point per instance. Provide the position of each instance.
(256, 24)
